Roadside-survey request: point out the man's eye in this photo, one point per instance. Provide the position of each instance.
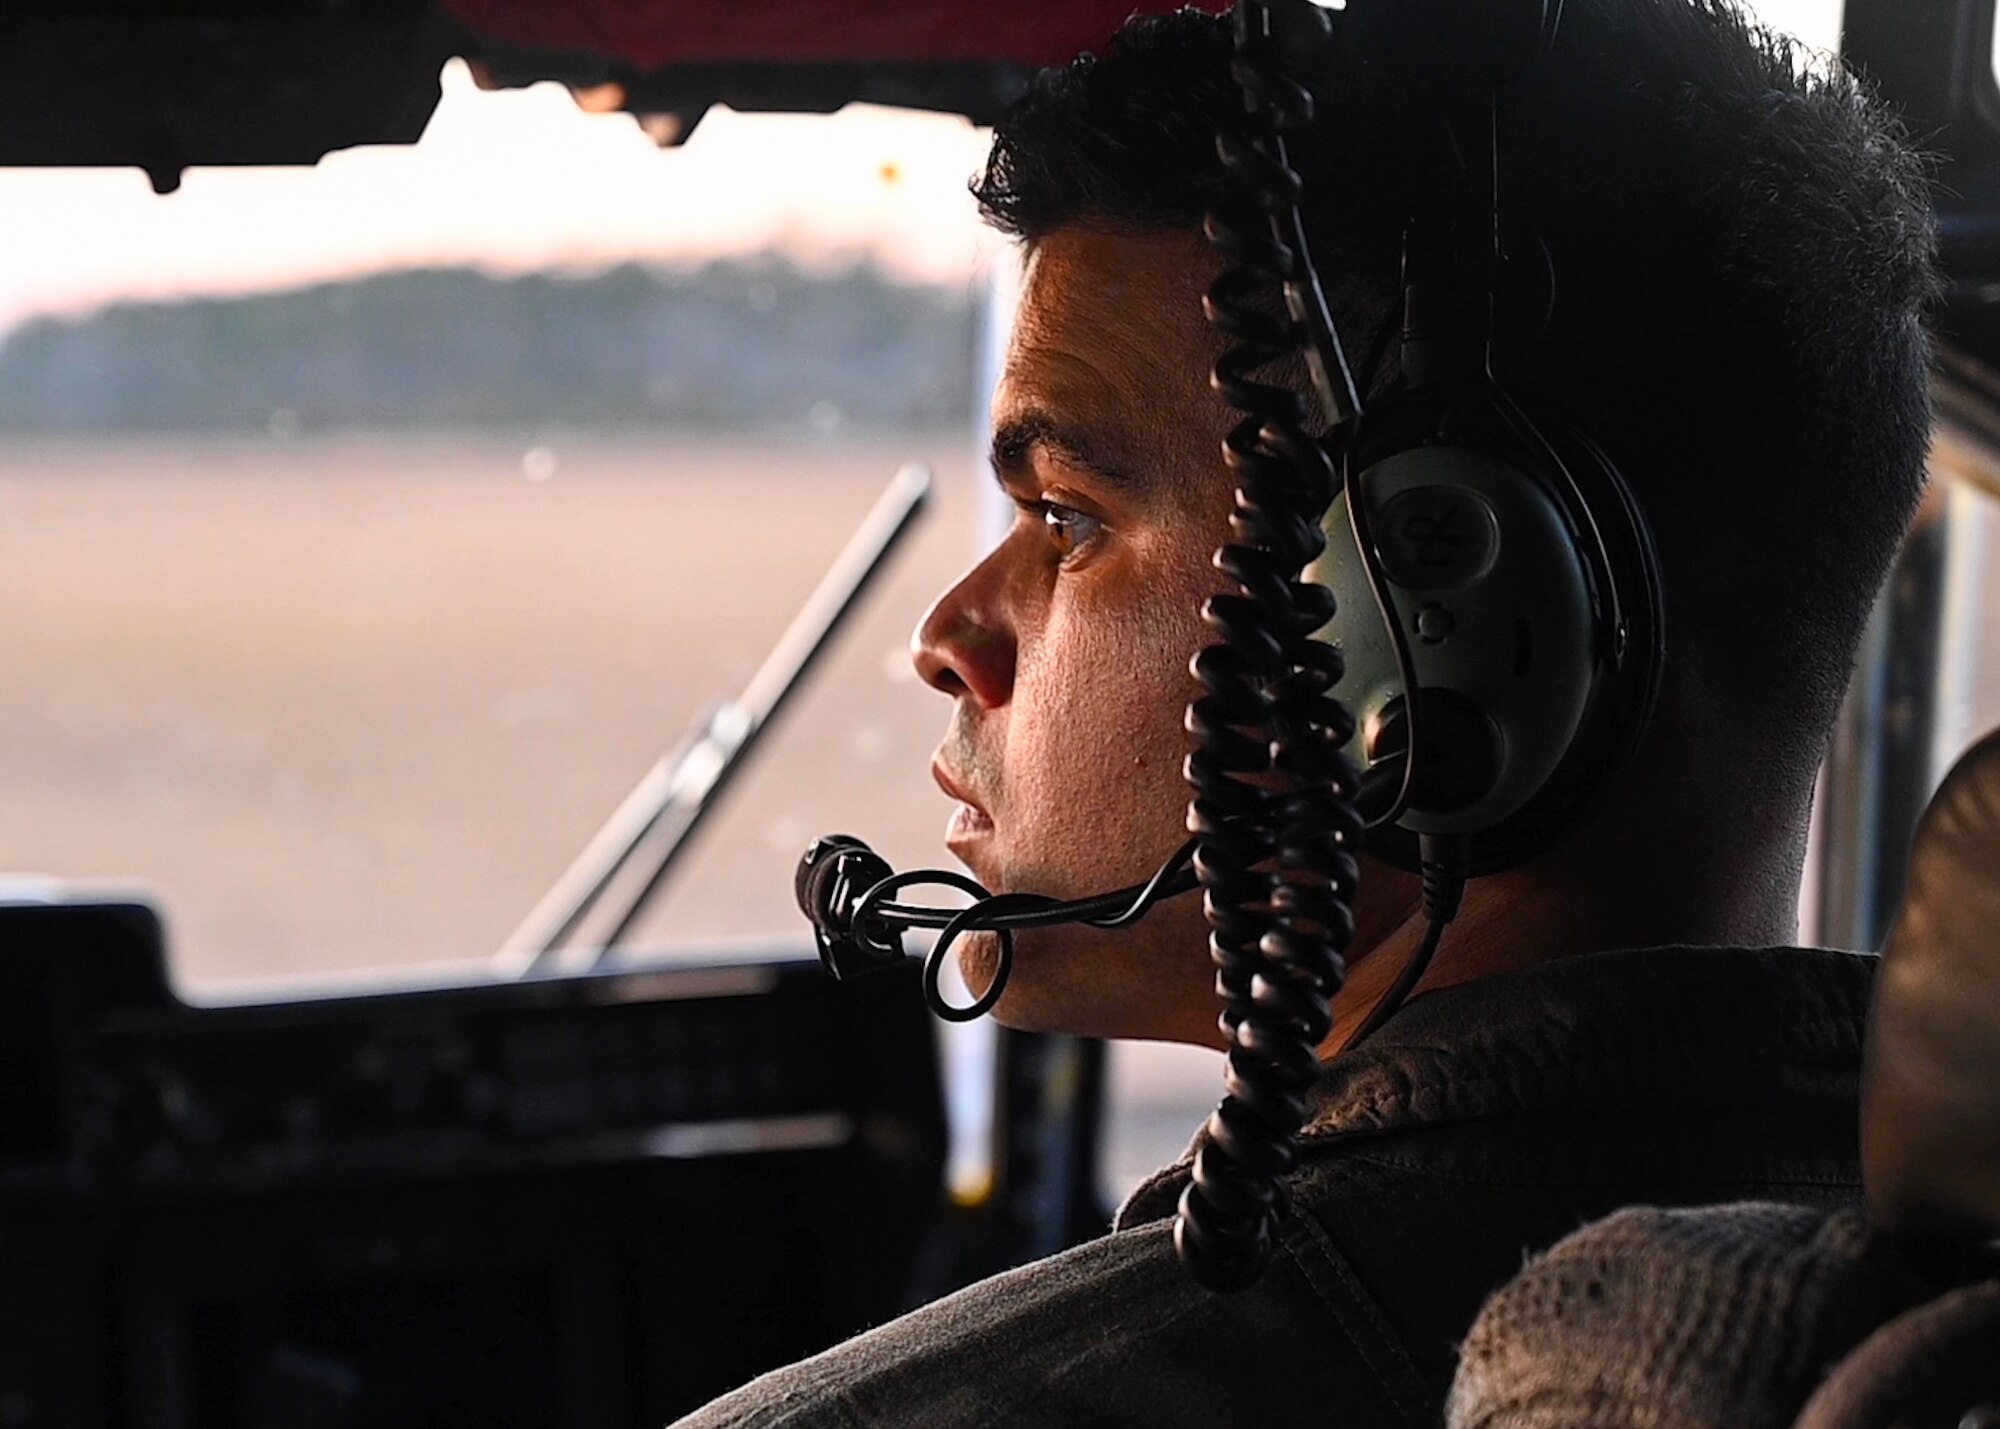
(1068, 528)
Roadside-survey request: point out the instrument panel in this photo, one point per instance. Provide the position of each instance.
(595, 1199)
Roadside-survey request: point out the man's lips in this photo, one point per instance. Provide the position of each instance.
(969, 821)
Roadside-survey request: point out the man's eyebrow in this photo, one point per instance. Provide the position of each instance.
(1015, 441)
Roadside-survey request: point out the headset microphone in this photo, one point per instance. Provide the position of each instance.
(846, 890)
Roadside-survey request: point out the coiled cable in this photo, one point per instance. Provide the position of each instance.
(1272, 797)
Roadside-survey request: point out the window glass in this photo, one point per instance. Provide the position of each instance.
(1158, 1094)
(1969, 642)
(367, 531)
(1817, 22)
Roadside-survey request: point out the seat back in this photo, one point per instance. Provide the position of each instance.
(1930, 1090)
(1930, 1124)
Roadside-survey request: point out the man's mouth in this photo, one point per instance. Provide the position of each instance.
(969, 822)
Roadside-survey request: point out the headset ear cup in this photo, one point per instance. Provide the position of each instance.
(1550, 730)
(1635, 564)
(1628, 666)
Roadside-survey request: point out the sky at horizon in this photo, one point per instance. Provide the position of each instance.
(510, 181)
(524, 180)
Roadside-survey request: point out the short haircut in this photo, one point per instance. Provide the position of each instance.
(1744, 250)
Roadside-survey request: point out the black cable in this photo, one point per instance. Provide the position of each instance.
(1393, 999)
(995, 912)
(875, 923)
(1442, 858)
(1272, 796)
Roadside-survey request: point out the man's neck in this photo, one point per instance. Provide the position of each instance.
(1746, 896)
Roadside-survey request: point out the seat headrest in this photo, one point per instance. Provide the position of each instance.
(1930, 1100)
(1921, 1368)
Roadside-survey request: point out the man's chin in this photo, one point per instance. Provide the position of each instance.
(978, 957)
(1028, 1003)
(1080, 981)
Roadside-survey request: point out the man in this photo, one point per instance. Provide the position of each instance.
(1740, 248)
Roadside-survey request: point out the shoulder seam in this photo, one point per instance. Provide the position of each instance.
(1334, 1281)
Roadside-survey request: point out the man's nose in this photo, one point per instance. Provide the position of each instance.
(965, 645)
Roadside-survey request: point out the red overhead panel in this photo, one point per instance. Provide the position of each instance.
(651, 34)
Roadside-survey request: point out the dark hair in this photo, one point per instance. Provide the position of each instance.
(1743, 242)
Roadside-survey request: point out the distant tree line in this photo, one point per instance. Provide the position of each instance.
(755, 344)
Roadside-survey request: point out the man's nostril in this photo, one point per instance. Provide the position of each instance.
(946, 679)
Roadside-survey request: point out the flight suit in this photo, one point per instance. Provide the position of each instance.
(1481, 1123)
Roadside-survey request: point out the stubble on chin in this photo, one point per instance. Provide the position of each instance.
(978, 955)
(1039, 996)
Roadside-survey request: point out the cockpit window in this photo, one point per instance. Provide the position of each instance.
(367, 531)
(1817, 22)
(1968, 695)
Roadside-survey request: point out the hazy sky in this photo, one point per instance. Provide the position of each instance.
(514, 179)
(523, 179)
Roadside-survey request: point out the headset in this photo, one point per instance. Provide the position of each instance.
(1474, 575)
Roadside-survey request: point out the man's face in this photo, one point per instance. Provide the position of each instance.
(1066, 650)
